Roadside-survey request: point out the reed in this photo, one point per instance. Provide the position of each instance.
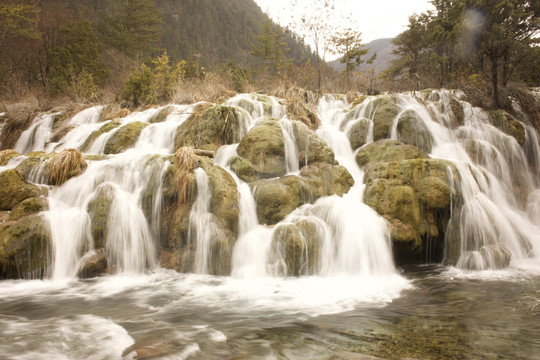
(65, 165)
(185, 161)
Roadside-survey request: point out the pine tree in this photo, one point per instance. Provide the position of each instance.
(134, 27)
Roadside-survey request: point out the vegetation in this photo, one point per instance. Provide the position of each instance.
(469, 42)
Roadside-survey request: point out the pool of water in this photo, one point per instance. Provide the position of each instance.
(429, 312)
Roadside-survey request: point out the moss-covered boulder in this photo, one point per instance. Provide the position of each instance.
(99, 208)
(124, 138)
(414, 195)
(105, 128)
(29, 206)
(264, 148)
(295, 249)
(210, 127)
(161, 115)
(311, 148)
(6, 155)
(24, 248)
(35, 163)
(358, 133)
(278, 197)
(412, 130)
(508, 124)
(387, 151)
(386, 112)
(14, 189)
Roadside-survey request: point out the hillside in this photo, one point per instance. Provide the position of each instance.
(383, 48)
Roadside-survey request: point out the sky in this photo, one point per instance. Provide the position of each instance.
(375, 19)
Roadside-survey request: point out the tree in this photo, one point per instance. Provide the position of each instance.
(348, 43)
(271, 47)
(74, 65)
(134, 27)
(314, 25)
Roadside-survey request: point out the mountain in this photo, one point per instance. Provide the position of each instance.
(383, 48)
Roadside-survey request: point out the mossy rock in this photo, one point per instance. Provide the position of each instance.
(383, 118)
(6, 155)
(276, 198)
(413, 131)
(110, 125)
(14, 189)
(32, 161)
(25, 248)
(387, 151)
(29, 206)
(210, 127)
(311, 148)
(161, 115)
(294, 250)
(244, 169)
(434, 192)
(124, 138)
(224, 194)
(99, 208)
(358, 133)
(264, 147)
(323, 179)
(509, 125)
(457, 111)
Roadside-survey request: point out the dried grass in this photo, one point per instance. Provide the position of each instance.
(112, 112)
(301, 104)
(185, 161)
(212, 88)
(65, 165)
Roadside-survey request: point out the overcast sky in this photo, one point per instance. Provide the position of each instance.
(374, 18)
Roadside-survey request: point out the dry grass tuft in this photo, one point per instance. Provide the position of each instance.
(212, 88)
(6, 155)
(112, 112)
(185, 161)
(301, 105)
(65, 165)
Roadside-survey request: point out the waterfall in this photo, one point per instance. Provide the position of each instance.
(202, 229)
(37, 135)
(289, 142)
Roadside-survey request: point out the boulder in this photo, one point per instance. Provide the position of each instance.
(29, 206)
(386, 112)
(264, 148)
(24, 248)
(311, 148)
(387, 151)
(358, 133)
(412, 130)
(35, 164)
(414, 195)
(99, 208)
(14, 189)
(124, 138)
(210, 127)
(508, 124)
(95, 264)
(110, 125)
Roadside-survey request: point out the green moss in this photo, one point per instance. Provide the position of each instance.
(124, 138)
(358, 133)
(161, 115)
(413, 131)
(387, 151)
(113, 124)
(32, 161)
(383, 118)
(99, 209)
(29, 206)
(14, 189)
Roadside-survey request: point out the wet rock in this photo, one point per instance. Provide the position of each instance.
(311, 148)
(161, 115)
(24, 248)
(324, 179)
(264, 148)
(387, 151)
(412, 130)
(210, 127)
(35, 163)
(124, 138)
(29, 206)
(384, 116)
(358, 133)
(414, 196)
(508, 124)
(493, 257)
(99, 208)
(14, 189)
(111, 125)
(95, 264)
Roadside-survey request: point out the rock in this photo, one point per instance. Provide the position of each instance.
(387, 151)
(124, 138)
(110, 125)
(263, 146)
(311, 148)
(412, 130)
(278, 197)
(14, 189)
(161, 115)
(508, 124)
(35, 162)
(210, 127)
(95, 264)
(489, 257)
(29, 206)
(244, 169)
(99, 208)
(414, 196)
(358, 133)
(6, 155)
(24, 248)
(383, 118)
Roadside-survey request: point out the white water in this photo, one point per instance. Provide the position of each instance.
(37, 135)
